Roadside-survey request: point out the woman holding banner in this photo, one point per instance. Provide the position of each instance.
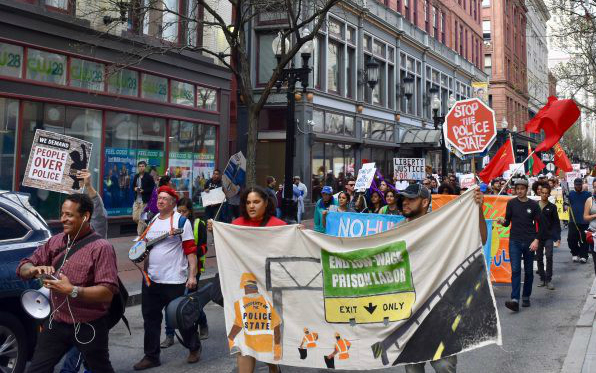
(343, 200)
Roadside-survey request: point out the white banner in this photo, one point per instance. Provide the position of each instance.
(414, 293)
(366, 175)
(409, 168)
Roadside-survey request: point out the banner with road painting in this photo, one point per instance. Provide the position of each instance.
(414, 293)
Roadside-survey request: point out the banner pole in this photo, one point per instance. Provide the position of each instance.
(517, 169)
(219, 209)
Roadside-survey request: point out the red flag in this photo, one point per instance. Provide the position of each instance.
(499, 164)
(561, 160)
(554, 119)
(536, 165)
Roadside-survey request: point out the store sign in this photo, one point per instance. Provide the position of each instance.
(86, 74)
(123, 82)
(182, 93)
(11, 60)
(46, 67)
(154, 87)
(470, 127)
(409, 168)
(54, 162)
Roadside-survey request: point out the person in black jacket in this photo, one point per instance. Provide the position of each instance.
(549, 231)
(142, 185)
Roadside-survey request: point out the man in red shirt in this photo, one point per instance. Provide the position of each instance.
(84, 265)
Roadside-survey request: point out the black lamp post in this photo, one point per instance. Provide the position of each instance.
(291, 76)
(438, 123)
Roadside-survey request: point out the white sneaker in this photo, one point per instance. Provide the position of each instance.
(575, 259)
(583, 260)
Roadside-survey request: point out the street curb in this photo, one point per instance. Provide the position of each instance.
(134, 299)
(581, 356)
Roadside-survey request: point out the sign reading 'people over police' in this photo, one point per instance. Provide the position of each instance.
(409, 168)
(55, 160)
(368, 285)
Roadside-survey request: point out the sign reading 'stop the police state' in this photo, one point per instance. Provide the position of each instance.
(54, 162)
(409, 168)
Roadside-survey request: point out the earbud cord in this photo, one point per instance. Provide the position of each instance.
(77, 325)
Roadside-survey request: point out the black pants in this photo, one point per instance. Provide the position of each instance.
(154, 299)
(574, 237)
(545, 247)
(53, 343)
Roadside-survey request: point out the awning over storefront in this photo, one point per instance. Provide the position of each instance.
(416, 137)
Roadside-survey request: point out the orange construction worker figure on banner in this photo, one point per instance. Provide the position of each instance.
(308, 341)
(257, 318)
(341, 351)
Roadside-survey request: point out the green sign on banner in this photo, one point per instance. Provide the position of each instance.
(11, 60)
(380, 270)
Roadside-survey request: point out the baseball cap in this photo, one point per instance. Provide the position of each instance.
(578, 181)
(415, 191)
(327, 190)
(521, 181)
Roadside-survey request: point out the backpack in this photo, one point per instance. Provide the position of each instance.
(200, 235)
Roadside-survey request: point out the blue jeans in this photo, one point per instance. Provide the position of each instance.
(517, 251)
(73, 362)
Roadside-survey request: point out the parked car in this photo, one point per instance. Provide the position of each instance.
(22, 230)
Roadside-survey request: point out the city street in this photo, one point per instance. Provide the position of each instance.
(535, 340)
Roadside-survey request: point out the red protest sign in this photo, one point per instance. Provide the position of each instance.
(470, 126)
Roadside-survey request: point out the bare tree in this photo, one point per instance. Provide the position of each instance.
(157, 27)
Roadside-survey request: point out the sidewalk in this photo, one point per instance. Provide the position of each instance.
(581, 356)
(131, 277)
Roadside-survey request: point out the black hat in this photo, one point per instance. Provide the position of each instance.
(415, 191)
(578, 181)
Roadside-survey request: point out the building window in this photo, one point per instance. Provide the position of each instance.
(461, 40)
(182, 93)
(58, 4)
(379, 131)
(11, 60)
(443, 23)
(46, 67)
(411, 67)
(426, 6)
(333, 123)
(162, 19)
(9, 118)
(191, 158)
(331, 164)
(87, 74)
(455, 45)
(154, 87)
(435, 23)
(407, 9)
(123, 82)
(486, 30)
(207, 98)
(415, 13)
(485, 3)
(336, 28)
(266, 61)
(466, 45)
(351, 72)
(333, 67)
(383, 55)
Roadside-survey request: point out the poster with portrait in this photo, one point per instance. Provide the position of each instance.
(481, 90)
(54, 162)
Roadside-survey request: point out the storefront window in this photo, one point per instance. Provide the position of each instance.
(265, 58)
(192, 157)
(332, 123)
(84, 124)
(128, 140)
(11, 60)
(207, 98)
(46, 67)
(9, 117)
(332, 164)
(182, 93)
(123, 82)
(154, 87)
(333, 67)
(86, 74)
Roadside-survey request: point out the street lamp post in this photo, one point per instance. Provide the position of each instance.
(438, 122)
(291, 76)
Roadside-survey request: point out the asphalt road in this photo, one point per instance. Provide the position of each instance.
(534, 340)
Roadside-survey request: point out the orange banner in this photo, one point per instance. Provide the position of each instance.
(494, 207)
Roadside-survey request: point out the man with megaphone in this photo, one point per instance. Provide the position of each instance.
(79, 268)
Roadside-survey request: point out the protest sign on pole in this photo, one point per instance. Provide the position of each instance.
(214, 197)
(470, 127)
(467, 181)
(571, 176)
(372, 302)
(54, 162)
(366, 174)
(234, 175)
(409, 168)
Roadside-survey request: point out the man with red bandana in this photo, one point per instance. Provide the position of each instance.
(171, 267)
